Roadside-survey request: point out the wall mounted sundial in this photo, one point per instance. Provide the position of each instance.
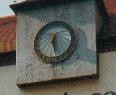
(55, 42)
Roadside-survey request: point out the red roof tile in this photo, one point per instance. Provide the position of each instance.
(111, 6)
(7, 33)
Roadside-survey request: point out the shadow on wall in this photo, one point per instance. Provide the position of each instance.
(65, 93)
(8, 58)
(81, 51)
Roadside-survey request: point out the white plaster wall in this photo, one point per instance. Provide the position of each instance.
(106, 82)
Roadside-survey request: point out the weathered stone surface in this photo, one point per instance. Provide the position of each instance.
(83, 62)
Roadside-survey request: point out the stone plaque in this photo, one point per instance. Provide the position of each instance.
(81, 62)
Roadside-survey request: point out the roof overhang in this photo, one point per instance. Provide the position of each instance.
(32, 4)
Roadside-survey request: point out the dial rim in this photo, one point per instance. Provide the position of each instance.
(63, 56)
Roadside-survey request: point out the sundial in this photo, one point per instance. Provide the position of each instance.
(55, 42)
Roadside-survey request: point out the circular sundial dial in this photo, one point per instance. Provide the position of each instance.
(55, 42)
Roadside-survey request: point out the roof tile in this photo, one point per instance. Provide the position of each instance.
(7, 33)
(110, 6)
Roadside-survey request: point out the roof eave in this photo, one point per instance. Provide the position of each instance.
(32, 4)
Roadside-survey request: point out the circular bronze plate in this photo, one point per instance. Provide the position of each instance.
(56, 27)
